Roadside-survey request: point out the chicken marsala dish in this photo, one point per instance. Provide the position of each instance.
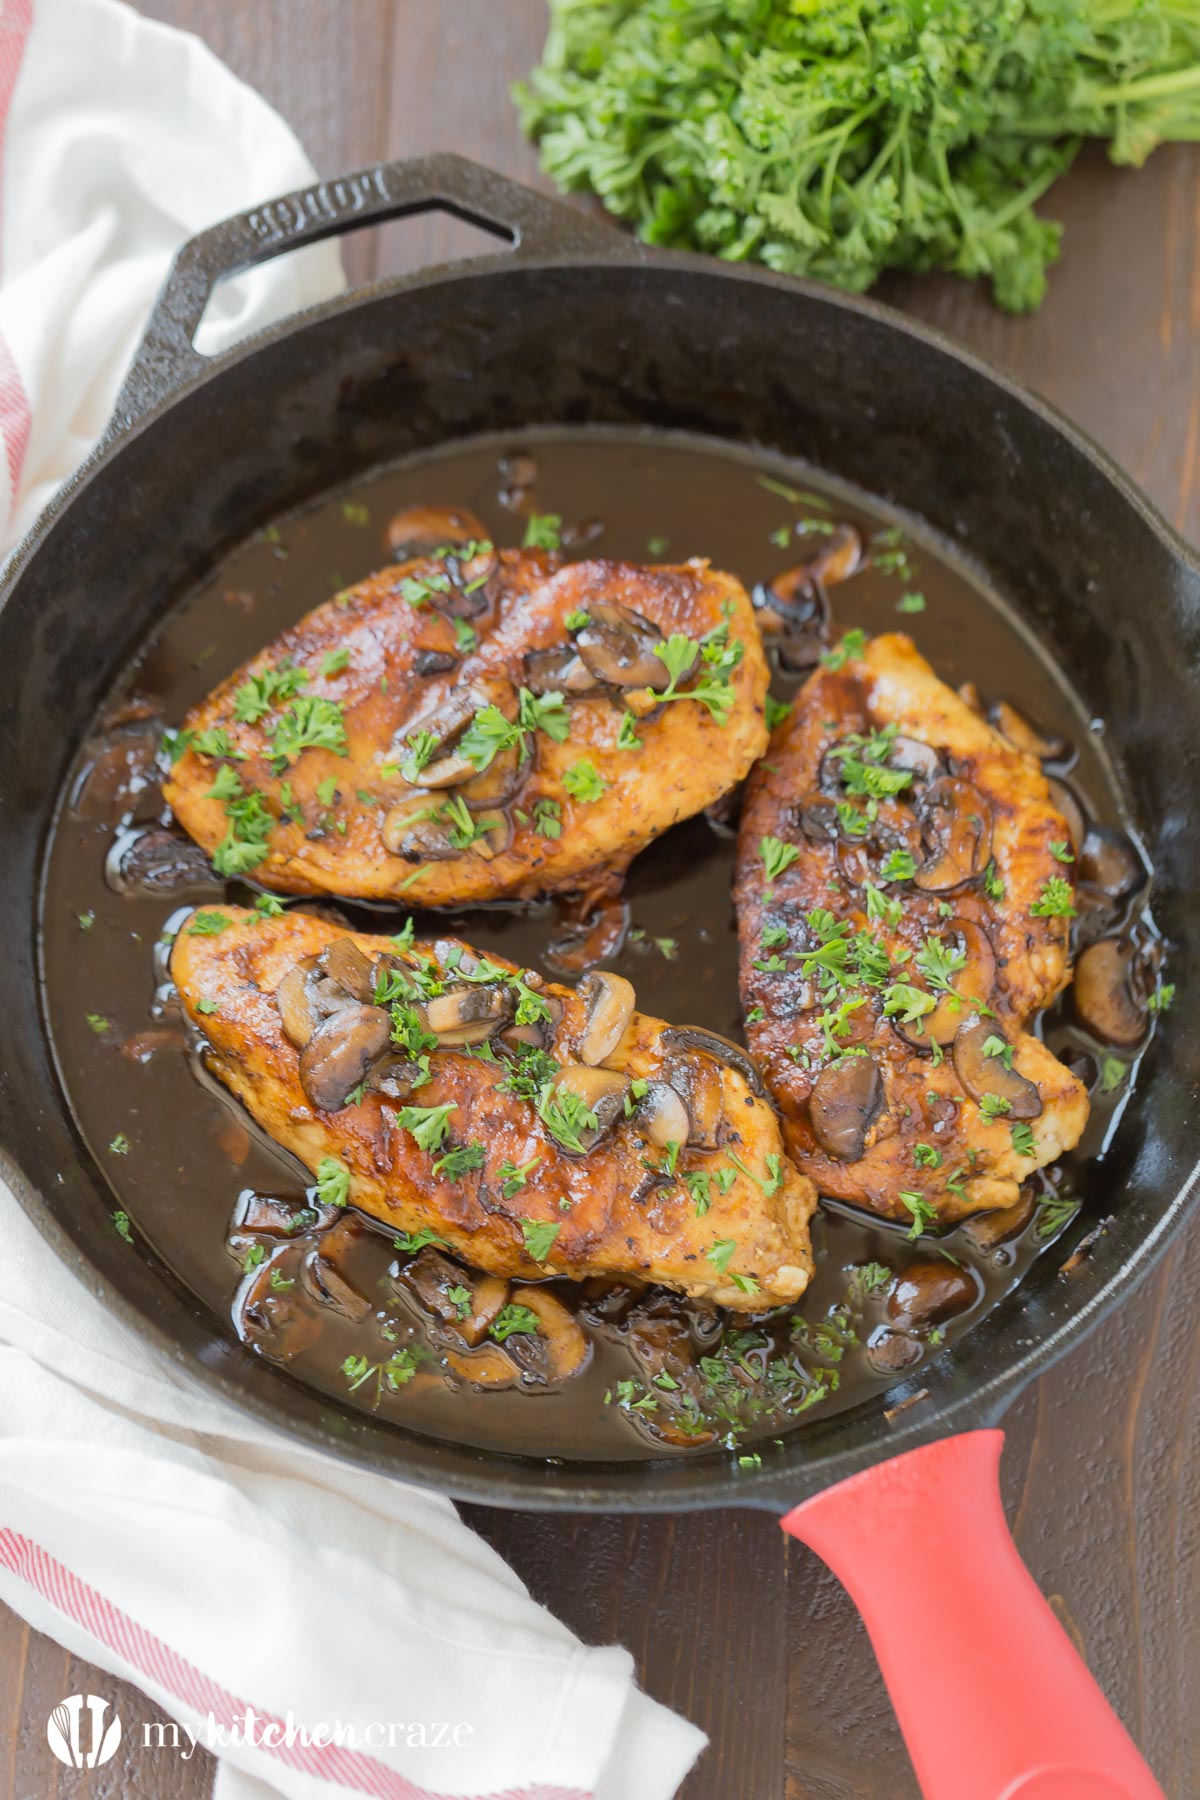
(904, 892)
(534, 1129)
(473, 724)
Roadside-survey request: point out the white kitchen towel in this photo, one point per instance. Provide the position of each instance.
(267, 1598)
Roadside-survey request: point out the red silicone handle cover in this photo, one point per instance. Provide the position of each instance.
(993, 1699)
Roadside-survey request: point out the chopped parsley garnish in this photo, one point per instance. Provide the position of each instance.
(993, 886)
(776, 856)
(1055, 901)
(420, 749)
(911, 603)
(583, 781)
(427, 1125)
(776, 711)
(566, 1117)
(98, 1023)
(333, 1181)
(907, 1003)
(85, 920)
(1112, 1073)
(998, 1047)
(850, 648)
(418, 590)
(719, 1253)
(543, 531)
(1062, 852)
(487, 735)
(268, 907)
(528, 1076)
(120, 1145)
(576, 619)
(939, 964)
(208, 1006)
(994, 1106)
(216, 742)
(310, 723)
(923, 1213)
(547, 818)
(927, 1156)
(122, 1226)
(699, 1185)
(267, 690)
(254, 1255)
(458, 1161)
(513, 1320)
(544, 712)
(898, 865)
(513, 1176)
(1163, 998)
(409, 1242)
(466, 638)
(627, 737)
(539, 1237)
(1022, 1140)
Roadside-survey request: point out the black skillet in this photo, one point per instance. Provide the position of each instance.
(575, 324)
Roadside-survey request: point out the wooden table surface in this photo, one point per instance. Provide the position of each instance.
(735, 1626)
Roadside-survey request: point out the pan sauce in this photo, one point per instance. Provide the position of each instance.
(179, 1151)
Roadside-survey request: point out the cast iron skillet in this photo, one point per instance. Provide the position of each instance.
(575, 324)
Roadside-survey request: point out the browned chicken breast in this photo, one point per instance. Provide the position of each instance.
(903, 892)
(475, 724)
(535, 1129)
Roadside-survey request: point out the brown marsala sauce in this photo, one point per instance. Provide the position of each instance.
(179, 1151)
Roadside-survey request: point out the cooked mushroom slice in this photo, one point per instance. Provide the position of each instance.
(1024, 736)
(294, 999)
(493, 835)
(469, 1015)
(603, 1093)
(276, 1215)
(982, 1074)
(487, 1367)
(663, 1116)
(618, 645)
(155, 861)
(927, 1293)
(338, 1055)
(445, 725)
(497, 783)
(921, 760)
(973, 983)
(818, 818)
(696, 1037)
(434, 662)
(1108, 861)
(589, 932)
(395, 1076)
(418, 529)
(990, 1229)
(488, 1295)
(518, 475)
(889, 1351)
(1110, 991)
(956, 830)
(326, 1281)
(560, 1347)
(461, 1299)
(345, 963)
(418, 830)
(1062, 797)
(846, 1101)
(609, 1000)
(697, 1081)
(558, 671)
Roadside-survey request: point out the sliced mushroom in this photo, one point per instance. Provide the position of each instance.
(1024, 736)
(493, 835)
(434, 662)
(589, 932)
(155, 861)
(294, 1000)
(345, 963)
(489, 1294)
(438, 1284)
(697, 1081)
(1065, 802)
(1108, 861)
(329, 1284)
(618, 645)
(818, 818)
(1110, 992)
(418, 529)
(469, 1015)
(956, 830)
(395, 1076)
(921, 760)
(497, 783)
(663, 1116)
(558, 671)
(602, 1091)
(562, 1348)
(416, 830)
(696, 1037)
(988, 1230)
(610, 1001)
(488, 1367)
(446, 723)
(338, 1055)
(973, 983)
(982, 1074)
(846, 1100)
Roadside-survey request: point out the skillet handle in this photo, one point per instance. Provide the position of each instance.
(529, 222)
(992, 1697)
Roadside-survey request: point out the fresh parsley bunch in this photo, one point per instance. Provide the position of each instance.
(837, 138)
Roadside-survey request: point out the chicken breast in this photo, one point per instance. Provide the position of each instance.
(904, 894)
(476, 725)
(534, 1128)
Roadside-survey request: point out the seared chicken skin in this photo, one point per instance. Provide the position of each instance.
(903, 914)
(476, 725)
(533, 1128)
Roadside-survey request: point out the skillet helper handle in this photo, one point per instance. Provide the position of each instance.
(526, 221)
(993, 1699)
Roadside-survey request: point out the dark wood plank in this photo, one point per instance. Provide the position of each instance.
(743, 1632)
